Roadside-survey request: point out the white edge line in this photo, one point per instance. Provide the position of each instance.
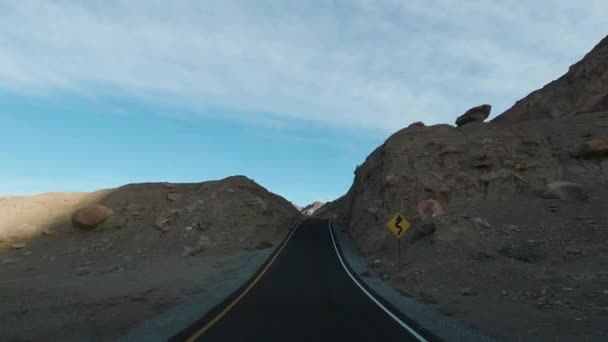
(388, 312)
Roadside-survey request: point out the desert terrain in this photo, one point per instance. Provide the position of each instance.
(162, 243)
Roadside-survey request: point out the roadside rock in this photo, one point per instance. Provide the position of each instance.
(263, 245)
(203, 244)
(573, 251)
(6, 262)
(82, 271)
(566, 191)
(18, 245)
(89, 218)
(191, 251)
(482, 222)
(420, 230)
(205, 241)
(475, 114)
(521, 252)
(467, 291)
(163, 224)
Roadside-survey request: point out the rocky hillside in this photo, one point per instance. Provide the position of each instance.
(234, 211)
(476, 162)
(117, 257)
(509, 221)
(581, 90)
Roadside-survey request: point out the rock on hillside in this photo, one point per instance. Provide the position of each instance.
(312, 208)
(583, 89)
(89, 218)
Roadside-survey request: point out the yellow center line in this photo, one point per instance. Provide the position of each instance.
(209, 324)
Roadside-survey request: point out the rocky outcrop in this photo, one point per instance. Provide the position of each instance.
(91, 217)
(475, 114)
(583, 89)
(458, 166)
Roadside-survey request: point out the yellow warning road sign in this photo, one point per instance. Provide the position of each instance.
(398, 225)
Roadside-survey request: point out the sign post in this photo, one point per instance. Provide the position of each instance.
(398, 225)
(399, 253)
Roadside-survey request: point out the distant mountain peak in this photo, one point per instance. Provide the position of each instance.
(312, 208)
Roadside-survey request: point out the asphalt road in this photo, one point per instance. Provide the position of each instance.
(305, 295)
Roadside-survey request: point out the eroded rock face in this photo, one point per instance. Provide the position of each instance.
(89, 218)
(475, 114)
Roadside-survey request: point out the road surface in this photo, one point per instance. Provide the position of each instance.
(305, 294)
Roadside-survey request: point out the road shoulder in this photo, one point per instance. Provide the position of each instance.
(425, 316)
(220, 286)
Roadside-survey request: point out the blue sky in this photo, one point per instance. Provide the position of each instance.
(293, 94)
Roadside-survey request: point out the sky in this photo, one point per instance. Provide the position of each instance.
(294, 94)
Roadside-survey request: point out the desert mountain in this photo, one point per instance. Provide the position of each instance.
(140, 247)
(312, 208)
(583, 89)
(508, 221)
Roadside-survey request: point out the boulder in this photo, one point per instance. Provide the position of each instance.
(566, 191)
(163, 224)
(479, 113)
(595, 147)
(429, 209)
(263, 245)
(202, 244)
(89, 218)
(174, 196)
(18, 245)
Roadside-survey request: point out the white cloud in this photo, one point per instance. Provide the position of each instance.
(370, 64)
